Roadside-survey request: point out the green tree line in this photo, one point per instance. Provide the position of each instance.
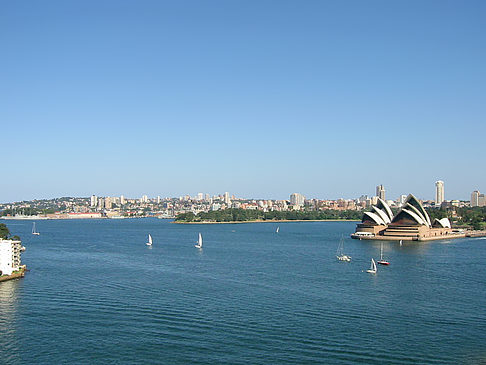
(245, 215)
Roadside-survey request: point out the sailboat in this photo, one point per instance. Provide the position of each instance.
(149, 242)
(278, 229)
(340, 252)
(34, 232)
(401, 242)
(372, 269)
(199, 242)
(381, 261)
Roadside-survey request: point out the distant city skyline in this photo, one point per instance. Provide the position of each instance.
(263, 99)
(295, 197)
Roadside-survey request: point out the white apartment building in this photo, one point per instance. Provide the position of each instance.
(9, 256)
(297, 199)
(439, 192)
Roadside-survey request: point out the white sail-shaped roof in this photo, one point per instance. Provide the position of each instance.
(412, 200)
(374, 217)
(382, 215)
(444, 223)
(418, 212)
(411, 215)
(386, 207)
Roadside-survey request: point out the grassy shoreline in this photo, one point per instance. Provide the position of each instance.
(271, 221)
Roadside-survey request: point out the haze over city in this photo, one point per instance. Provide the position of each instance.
(261, 99)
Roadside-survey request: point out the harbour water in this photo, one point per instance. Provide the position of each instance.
(97, 294)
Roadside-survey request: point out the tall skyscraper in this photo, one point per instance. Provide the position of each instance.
(380, 192)
(475, 198)
(439, 192)
(93, 201)
(122, 200)
(227, 200)
(481, 200)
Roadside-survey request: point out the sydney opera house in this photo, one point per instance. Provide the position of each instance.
(411, 222)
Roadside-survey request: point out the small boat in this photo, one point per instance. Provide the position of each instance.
(149, 242)
(340, 252)
(278, 229)
(34, 232)
(199, 241)
(372, 269)
(382, 261)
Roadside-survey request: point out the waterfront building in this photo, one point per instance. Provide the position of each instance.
(297, 199)
(9, 256)
(93, 201)
(144, 199)
(439, 192)
(380, 192)
(411, 222)
(122, 200)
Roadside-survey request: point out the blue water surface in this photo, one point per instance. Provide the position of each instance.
(97, 294)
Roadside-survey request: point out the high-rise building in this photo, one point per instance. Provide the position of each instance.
(108, 202)
(380, 192)
(401, 199)
(227, 200)
(439, 192)
(475, 198)
(158, 199)
(93, 201)
(144, 199)
(122, 200)
(481, 200)
(200, 196)
(297, 199)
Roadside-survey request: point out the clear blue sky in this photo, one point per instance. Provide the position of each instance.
(258, 98)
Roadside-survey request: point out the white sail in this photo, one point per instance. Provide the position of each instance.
(278, 229)
(199, 241)
(381, 252)
(33, 230)
(372, 269)
(340, 252)
(149, 242)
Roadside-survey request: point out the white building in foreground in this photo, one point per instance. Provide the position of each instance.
(9, 256)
